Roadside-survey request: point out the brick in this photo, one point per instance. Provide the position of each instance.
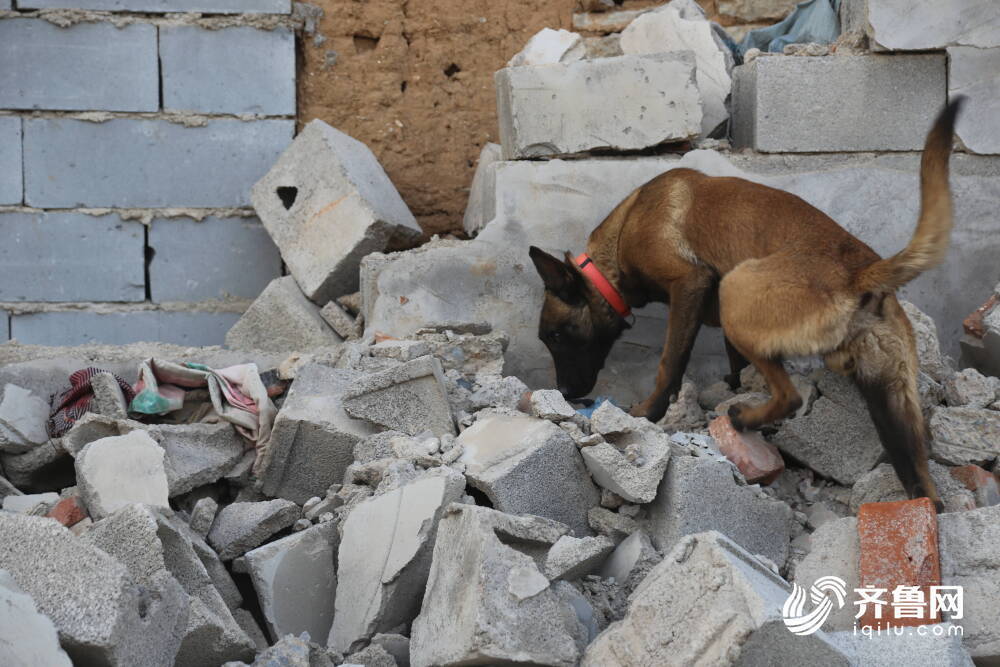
(562, 109)
(188, 328)
(85, 66)
(68, 511)
(127, 162)
(975, 73)
(983, 483)
(70, 257)
(233, 70)
(812, 104)
(163, 6)
(11, 182)
(757, 459)
(211, 259)
(899, 547)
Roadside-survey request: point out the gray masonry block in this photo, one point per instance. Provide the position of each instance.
(233, 70)
(127, 162)
(281, 319)
(11, 182)
(5, 4)
(75, 327)
(837, 103)
(83, 67)
(4, 325)
(70, 257)
(163, 6)
(234, 257)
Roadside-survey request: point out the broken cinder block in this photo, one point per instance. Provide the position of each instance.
(27, 637)
(633, 474)
(281, 319)
(120, 470)
(240, 527)
(23, 419)
(327, 203)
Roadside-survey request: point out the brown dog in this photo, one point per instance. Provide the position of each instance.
(781, 277)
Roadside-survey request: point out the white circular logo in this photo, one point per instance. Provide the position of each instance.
(806, 624)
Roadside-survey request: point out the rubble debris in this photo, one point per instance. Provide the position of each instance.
(109, 400)
(882, 485)
(203, 516)
(962, 436)
(343, 323)
(970, 388)
(939, 644)
(615, 525)
(572, 557)
(23, 419)
(68, 511)
(281, 319)
(26, 503)
(526, 465)
(116, 471)
(100, 613)
(395, 645)
(240, 527)
(689, 499)
(296, 580)
(313, 438)
(27, 637)
(757, 459)
(547, 47)
(482, 195)
(707, 586)
(327, 186)
(410, 398)
(551, 110)
(550, 404)
(371, 656)
(197, 454)
(684, 413)
(635, 473)
(629, 557)
(610, 420)
(984, 484)
(385, 555)
(477, 552)
(835, 552)
(502, 392)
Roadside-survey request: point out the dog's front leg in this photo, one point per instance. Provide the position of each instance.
(687, 298)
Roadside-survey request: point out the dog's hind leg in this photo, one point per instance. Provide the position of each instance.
(737, 362)
(784, 401)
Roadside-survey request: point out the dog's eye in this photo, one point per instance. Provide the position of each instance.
(555, 336)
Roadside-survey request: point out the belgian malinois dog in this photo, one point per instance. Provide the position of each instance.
(779, 276)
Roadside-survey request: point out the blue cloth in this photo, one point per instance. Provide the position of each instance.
(589, 410)
(811, 21)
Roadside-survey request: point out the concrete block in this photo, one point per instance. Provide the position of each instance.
(385, 556)
(27, 637)
(975, 73)
(750, 11)
(117, 471)
(203, 516)
(281, 319)
(550, 404)
(835, 552)
(529, 466)
(327, 203)
(811, 104)
(296, 579)
(346, 326)
(481, 558)
(101, 614)
(74, 327)
(24, 503)
(482, 204)
(572, 557)
(313, 438)
(60, 256)
(969, 544)
(197, 454)
(240, 527)
(23, 420)
(615, 525)
(970, 388)
(505, 392)
(232, 70)
(965, 435)
(930, 646)
(899, 25)
(709, 587)
(561, 109)
(78, 68)
(11, 181)
(135, 161)
(688, 500)
(234, 257)
(410, 398)
(164, 6)
(109, 399)
(547, 47)
(632, 468)
(882, 485)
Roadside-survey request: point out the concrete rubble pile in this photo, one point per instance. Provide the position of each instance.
(423, 499)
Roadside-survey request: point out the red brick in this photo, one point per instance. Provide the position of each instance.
(981, 482)
(757, 459)
(68, 511)
(899, 547)
(973, 324)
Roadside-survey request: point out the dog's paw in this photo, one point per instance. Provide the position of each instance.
(736, 416)
(639, 410)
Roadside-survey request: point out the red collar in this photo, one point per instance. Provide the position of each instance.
(607, 290)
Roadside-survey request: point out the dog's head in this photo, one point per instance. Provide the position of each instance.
(576, 324)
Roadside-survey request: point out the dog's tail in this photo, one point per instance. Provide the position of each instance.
(929, 244)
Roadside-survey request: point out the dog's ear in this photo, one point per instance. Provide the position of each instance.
(560, 278)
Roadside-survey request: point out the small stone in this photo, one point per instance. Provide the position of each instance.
(550, 404)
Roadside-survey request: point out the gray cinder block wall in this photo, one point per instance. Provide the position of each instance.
(131, 132)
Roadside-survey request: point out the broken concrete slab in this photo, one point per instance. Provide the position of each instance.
(572, 557)
(23, 420)
(965, 435)
(92, 426)
(709, 587)
(385, 555)
(550, 404)
(610, 420)
(27, 637)
(972, 72)
(343, 323)
(902, 26)
(313, 438)
(836, 551)
(25, 503)
(197, 454)
(410, 397)
(481, 206)
(970, 388)
(526, 465)
(240, 527)
(560, 109)
(500, 392)
(883, 485)
(688, 500)
(296, 579)
(281, 319)
(203, 516)
(101, 614)
(615, 525)
(478, 556)
(327, 203)
(120, 470)
(109, 399)
(633, 469)
(548, 47)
